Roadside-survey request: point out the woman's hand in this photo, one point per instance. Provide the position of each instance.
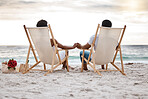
(74, 45)
(79, 46)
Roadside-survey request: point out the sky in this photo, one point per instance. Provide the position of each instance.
(73, 20)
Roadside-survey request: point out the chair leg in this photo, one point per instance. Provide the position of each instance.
(99, 73)
(106, 66)
(67, 60)
(51, 68)
(47, 73)
(31, 67)
(67, 64)
(93, 66)
(44, 67)
(95, 70)
(121, 60)
(93, 59)
(118, 68)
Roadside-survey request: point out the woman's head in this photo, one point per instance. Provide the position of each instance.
(106, 23)
(41, 23)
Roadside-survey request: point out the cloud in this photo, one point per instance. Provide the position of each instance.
(76, 5)
(132, 5)
(19, 9)
(75, 14)
(27, 2)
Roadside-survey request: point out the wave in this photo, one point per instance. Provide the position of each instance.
(129, 53)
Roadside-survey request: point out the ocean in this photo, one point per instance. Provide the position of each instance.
(131, 53)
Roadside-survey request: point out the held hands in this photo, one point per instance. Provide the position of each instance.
(78, 45)
(74, 45)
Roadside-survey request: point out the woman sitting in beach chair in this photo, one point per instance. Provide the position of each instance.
(43, 23)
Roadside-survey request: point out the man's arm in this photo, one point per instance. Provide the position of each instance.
(86, 46)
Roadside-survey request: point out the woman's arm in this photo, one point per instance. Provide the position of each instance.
(86, 46)
(63, 46)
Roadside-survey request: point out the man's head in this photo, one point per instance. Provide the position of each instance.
(106, 23)
(41, 23)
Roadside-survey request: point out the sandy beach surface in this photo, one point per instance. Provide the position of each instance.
(76, 85)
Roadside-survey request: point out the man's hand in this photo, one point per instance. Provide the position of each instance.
(74, 45)
(79, 46)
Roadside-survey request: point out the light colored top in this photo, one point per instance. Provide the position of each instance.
(61, 53)
(91, 41)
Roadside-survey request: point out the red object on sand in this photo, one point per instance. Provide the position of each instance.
(12, 63)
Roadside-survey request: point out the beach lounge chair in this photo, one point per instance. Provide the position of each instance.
(108, 45)
(39, 38)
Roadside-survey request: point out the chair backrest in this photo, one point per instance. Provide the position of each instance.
(106, 46)
(41, 40)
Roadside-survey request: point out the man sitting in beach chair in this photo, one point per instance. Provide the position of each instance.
(43, 23)
(105, 23)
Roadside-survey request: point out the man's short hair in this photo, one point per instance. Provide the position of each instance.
(106, 23)
(41, 23)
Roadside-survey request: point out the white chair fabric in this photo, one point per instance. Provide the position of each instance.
(106, 46)
(41, 40)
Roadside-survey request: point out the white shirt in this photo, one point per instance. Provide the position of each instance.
(91, 41)
(61, 53)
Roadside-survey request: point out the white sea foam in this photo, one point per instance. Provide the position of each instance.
(131, 53)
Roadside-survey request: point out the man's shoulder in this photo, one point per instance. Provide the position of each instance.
(94, 36)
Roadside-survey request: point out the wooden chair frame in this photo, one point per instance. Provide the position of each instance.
(92, 63)
(56, 51)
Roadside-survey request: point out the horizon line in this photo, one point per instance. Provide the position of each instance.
(70, 45)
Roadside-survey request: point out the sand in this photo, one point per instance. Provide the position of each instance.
(76, 85)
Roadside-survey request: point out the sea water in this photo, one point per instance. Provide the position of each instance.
(130, 53)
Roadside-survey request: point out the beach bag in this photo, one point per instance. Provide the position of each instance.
(23, 68)
(6, 70)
